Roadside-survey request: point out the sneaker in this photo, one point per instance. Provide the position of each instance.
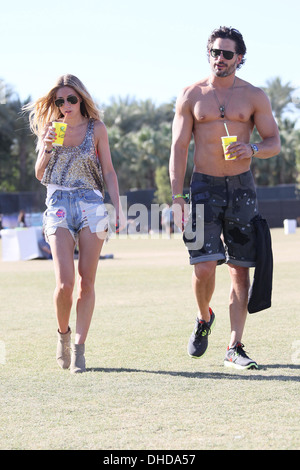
(198, 341)
(237, 358)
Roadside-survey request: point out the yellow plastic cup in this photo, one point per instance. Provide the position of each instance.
(226, 140)
(60, 129)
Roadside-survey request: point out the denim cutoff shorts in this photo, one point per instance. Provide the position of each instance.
(74, 210)
(230, 204)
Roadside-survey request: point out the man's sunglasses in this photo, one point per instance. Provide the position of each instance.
(71, 99)
(228, 55)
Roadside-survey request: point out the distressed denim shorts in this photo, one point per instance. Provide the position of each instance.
(74, 210)
(229, 205)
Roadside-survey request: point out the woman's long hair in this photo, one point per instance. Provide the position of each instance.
(43, 111)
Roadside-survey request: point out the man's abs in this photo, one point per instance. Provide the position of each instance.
(208, 155)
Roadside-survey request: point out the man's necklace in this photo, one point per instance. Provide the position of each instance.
(222, 106)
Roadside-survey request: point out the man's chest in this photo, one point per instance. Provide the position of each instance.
(214, 106)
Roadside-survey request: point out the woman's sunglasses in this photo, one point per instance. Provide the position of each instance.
(228, 55)
(71, 99)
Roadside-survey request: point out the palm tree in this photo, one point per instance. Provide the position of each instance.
(283, 168)
(281, 97)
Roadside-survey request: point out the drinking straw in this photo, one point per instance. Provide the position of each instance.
(226, 129)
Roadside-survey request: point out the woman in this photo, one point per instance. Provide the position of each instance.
(74, 174)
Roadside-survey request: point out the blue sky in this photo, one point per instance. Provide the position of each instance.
(141, 49)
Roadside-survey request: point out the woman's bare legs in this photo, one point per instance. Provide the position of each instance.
(90, 245)
(62, 248)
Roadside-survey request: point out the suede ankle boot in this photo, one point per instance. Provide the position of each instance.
(63, 351)
(78, 359)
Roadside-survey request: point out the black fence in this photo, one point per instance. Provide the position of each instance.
(11, 203)
(278, 203)
(275, 203)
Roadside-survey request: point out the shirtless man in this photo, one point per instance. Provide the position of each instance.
(224, 187)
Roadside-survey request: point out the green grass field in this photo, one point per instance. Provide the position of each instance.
(141, 390)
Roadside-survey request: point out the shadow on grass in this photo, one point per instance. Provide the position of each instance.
(234, 375)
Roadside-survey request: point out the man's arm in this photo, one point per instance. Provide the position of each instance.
(181, 136)
(266, 127)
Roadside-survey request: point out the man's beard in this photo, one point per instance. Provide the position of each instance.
(226, 71)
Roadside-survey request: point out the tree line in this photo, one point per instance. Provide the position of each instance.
(140, 139)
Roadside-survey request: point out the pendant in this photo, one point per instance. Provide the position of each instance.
(222, 111)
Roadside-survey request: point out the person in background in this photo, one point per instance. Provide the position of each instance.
(75, 174)
(44, 246)
(21, 219)
(167, 220)
(225, 188)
